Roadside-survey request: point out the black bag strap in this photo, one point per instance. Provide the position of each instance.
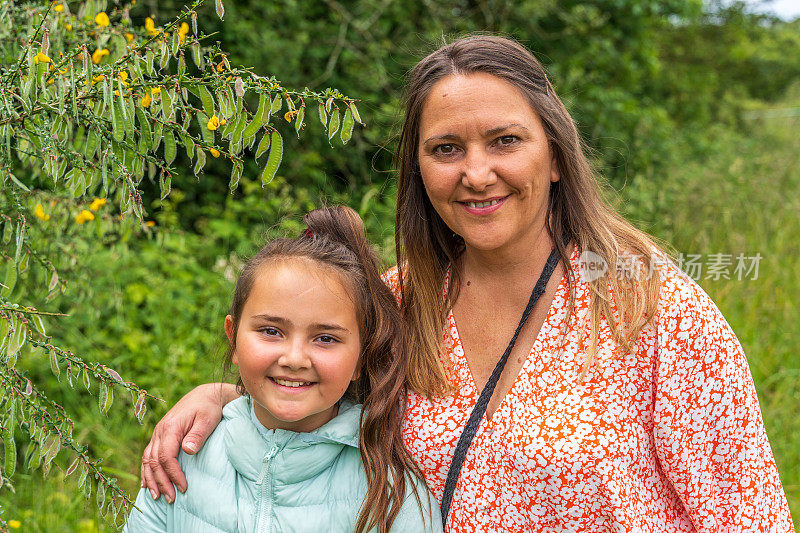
(479, 410)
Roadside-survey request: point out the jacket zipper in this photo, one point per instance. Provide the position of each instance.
(265, 480)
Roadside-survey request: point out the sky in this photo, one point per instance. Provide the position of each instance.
(786, 9)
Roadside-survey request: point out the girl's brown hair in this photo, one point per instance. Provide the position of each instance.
(426, 247)
(336, 239)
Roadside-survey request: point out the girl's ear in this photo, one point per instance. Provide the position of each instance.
(229, 334)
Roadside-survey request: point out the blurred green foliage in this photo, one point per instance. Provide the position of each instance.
(658, 87)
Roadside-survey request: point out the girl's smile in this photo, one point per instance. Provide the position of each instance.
(297, 346)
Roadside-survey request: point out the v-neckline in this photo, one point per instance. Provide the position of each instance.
(543, 333)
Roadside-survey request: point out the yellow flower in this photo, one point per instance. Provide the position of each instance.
(150, 26)
(68, 27)
(146, 100)
(214, 152)
(99, 77)
(150, 223)
(97, 203)
(63, 70)
(84, 216)
(102, 19)
(182, 31)
(59, 8)
(50, 81)
(40, 214)
(129, 37)
(41, 58)
(223, 122)
(289, 115)
(213, 123)
(14, 524)
(99, 54)
(155, 90)
(123, 76)
(221, 66)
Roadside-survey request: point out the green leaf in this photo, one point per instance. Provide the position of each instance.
(145, 135)
(17, 339)
(165, 183)
(207, 99)
(263, 146)
(118, 129)
(169, 147)
(323, 115)
(276, 105)
(106, 397)
(54, 363)
(333, 127)
(200, 163)
(347, 126)
(10, 446)
(220, 9)
(354, 110)
(298, 122)
(140, 407)
(274, 159)
(258, 117)
(208, 135)
(10, 279)
(236, 175)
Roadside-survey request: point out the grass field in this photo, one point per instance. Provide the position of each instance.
(742, 198)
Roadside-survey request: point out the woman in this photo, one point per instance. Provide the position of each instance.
(623, 401)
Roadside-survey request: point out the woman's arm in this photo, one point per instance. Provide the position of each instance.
(708, 430)
(187, 425)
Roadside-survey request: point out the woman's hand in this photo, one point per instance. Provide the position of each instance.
(187, 425)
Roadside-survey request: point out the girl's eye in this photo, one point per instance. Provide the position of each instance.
(271, 332)
(327, 339)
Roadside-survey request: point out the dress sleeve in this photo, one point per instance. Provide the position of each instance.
(708, 430)
(149, 515)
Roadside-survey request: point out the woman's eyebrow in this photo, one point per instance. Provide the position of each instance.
(330, 327)
(443, 137)
(500, 129)
(270, 318)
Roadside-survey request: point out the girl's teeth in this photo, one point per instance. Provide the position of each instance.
(482, 204)
(286, 383)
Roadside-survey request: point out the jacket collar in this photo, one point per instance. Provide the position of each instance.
(247, 448)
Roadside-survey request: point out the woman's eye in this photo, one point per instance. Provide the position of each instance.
(506, 140)
(444, 149)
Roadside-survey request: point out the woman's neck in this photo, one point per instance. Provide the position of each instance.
(510, 265)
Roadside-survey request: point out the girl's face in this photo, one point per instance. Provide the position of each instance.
(485, 161)
(297, 345)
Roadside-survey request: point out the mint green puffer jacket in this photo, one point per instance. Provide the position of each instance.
(245, 481)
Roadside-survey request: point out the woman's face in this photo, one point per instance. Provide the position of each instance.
(485, 162)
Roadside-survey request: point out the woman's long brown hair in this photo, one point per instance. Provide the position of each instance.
(426, 247)
(336, 239)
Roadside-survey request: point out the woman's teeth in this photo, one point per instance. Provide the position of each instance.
(483, 204)
(287, 383)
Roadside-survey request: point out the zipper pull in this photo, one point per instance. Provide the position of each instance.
(265, 463)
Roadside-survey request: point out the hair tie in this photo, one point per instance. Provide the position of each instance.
(546, 85)
(307, 233)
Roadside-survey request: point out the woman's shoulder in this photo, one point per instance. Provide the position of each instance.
(392, 280)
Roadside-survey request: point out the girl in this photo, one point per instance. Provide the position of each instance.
(314, 332)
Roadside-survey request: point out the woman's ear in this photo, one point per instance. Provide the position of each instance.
(229, 333)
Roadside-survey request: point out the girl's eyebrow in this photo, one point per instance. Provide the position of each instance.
(284, 321)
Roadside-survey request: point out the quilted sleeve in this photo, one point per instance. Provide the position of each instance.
(149, 515)
(708, 430)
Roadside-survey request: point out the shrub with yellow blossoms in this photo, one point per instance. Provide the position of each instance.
(91, 106)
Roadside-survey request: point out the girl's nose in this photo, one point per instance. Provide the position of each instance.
(295, 356)
(477, 173)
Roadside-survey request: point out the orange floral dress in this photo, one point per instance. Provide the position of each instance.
(668, 439)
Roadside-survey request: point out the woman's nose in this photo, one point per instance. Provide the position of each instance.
(477, 173)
